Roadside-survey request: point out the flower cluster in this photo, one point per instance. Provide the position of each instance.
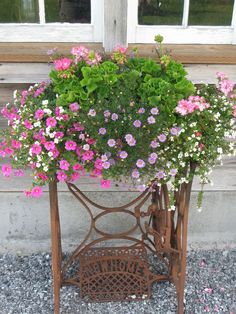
(117, 117)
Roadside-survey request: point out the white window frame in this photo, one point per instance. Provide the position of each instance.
(179, 34)
(56, 32)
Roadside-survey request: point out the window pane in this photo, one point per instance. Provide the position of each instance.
(160, 12)
(19, 11)
(210, 12)
(72, 11)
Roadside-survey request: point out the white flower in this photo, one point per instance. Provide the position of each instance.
(52, 135)
(39, 158)
(50, 154)
(48, 111)
(45, 102)
(45, 168)
(219, 150)
(14, 94)
(56, 141)
(37, 124)
(86, 147)
(38, 164)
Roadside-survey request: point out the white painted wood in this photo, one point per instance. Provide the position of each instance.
(234, 23)
(15, 73)
(53, 32)
(190, 35)
(185, 13)
(115, 23)
(56, 32)
(132, 20)
(179, 34)
(41, 12)
(97, 20)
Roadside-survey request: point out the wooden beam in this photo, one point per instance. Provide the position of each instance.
(115, 23)
(205, 54)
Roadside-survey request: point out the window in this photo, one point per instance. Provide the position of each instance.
(51, 20)
(182, 21)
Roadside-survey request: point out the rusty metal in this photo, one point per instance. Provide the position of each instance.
(122, 272)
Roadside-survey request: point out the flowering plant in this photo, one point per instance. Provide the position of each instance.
(120, 117)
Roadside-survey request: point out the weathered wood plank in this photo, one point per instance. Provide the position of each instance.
(15, 73)
(37, 52)
(205, 54)
(115, 23)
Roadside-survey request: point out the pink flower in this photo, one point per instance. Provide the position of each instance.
(135, 174)
(90, 141)
(51, 122)
(154, 144)
(137, 123)
(106, 165)
(220, 75)
(96, 172)
(102, 131)
(75, 176)
(80, 52)
(28, 124)
(55, 153)
(6, 170)
(36, 191)
(193, 103)
(141, 110)
(173, 172)
(154, 111)
(74, 106)
(120, 49)
(98, 164)
(42, 176)
(132, 142)
(59, 135)
(39, 114)
(88, 155)
(62, 64)
(160, 174)
(226, 86)
(114, 116)
(36, 149)
(111, 142)
(123, 154)
(61, 176)
(27, 193)
(77, 167)
(106, 113)
(140, 163)
(151, 120)
(162, 138)
(15, 144)
(49, 145)
(64, 165)
(70, 145)
(105, 184)
(92, 113)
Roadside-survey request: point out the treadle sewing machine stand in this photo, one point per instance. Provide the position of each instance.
(122, 272)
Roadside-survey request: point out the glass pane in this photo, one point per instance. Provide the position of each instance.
(160, 12)
(71, 11)
(19, 11)
(210, 12)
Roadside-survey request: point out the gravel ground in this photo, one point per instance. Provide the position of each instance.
(25, 288)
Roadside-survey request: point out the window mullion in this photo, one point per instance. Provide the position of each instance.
(233, 24)
(41, 12)
(185, 13)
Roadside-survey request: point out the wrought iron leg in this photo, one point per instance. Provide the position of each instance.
(56, 244)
